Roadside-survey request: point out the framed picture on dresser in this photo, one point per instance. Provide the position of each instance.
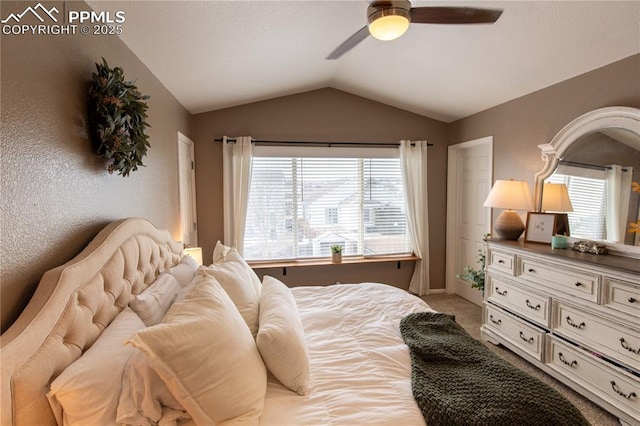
(540, 227)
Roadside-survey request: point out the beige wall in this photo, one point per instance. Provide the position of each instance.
(56, 193)
(520, 125)
(320, 115)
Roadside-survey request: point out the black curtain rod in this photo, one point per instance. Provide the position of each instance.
(324, 144)
(586, 166)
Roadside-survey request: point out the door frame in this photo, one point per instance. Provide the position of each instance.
(453, 154)
(184, 139)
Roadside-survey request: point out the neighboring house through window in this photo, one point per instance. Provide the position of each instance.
(331, 215)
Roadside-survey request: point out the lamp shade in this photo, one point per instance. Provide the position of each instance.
(555, 198)
(389, 24)
(510, 194)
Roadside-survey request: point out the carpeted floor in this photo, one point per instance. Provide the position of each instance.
(469, 316)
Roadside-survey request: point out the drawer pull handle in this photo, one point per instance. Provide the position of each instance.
(579, 284)
(535, 308)
(574, 325)
(501, 293)
(531, 270)
(529, 340)
(624, 344)
(619, 392)
(494, 321)
(500, 261)
(565, 362)
(632, 300)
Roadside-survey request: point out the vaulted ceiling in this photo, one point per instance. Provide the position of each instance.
(217, 54)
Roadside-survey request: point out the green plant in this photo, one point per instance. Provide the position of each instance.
(336, 248)
(476, 277)
(117, 119)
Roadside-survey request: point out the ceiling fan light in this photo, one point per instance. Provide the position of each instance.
(389, 24)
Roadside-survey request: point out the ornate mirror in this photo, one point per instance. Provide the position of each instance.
(597, 156)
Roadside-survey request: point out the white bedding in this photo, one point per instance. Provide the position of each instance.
(360, 367)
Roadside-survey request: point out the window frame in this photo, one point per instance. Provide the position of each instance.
(362, 154)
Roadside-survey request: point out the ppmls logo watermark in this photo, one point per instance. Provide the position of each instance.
(40, 20)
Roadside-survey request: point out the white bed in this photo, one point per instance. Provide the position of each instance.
(360, 369)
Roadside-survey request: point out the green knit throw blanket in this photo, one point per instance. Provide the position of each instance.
(456, 380)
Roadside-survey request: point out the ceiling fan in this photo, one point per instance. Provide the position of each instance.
(388, 20)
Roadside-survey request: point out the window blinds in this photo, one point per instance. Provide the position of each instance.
(299, 206)
(587, 196)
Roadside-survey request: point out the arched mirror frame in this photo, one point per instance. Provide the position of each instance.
(552, 152)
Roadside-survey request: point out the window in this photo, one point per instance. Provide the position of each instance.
(587, 196)
(300, 206)
(331, 215)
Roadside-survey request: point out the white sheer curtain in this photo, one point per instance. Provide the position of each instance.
(236, 172)
(413, 160)
(618, 183)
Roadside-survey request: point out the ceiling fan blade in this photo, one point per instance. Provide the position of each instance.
(350, 43)
(454, 15)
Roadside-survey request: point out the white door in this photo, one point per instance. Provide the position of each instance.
(470, 174)
(187, 177)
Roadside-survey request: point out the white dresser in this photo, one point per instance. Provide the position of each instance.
(574, 315)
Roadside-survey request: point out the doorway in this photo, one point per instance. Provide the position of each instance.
(187, 189)
(469, 178)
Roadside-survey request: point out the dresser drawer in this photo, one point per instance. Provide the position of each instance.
(525, 336)
(618, 387)
(502, 261)
(530, 305)
(622, 296)
(612, 339)
(567, 280)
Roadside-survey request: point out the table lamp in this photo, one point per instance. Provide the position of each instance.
(555, 199)
(510, 195)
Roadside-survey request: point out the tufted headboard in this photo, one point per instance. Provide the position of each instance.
(71, 307)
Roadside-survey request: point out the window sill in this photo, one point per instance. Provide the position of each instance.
(327, 261)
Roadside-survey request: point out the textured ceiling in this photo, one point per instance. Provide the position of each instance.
(217, 54)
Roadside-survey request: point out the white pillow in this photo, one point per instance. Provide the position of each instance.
(236, 277)
(281, 336)
(219, 252)
(86, 392)
(153, 303)
(184, 271)
(205, 354)
(222, 254)
(188, 260)
(145, 397)
(186, 290)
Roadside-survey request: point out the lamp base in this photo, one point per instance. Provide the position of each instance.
(508, 226)
(562, 224)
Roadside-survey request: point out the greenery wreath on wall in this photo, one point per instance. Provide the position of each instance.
(117, 114)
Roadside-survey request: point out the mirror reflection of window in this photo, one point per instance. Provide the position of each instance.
(600, 199)
(587, 193)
